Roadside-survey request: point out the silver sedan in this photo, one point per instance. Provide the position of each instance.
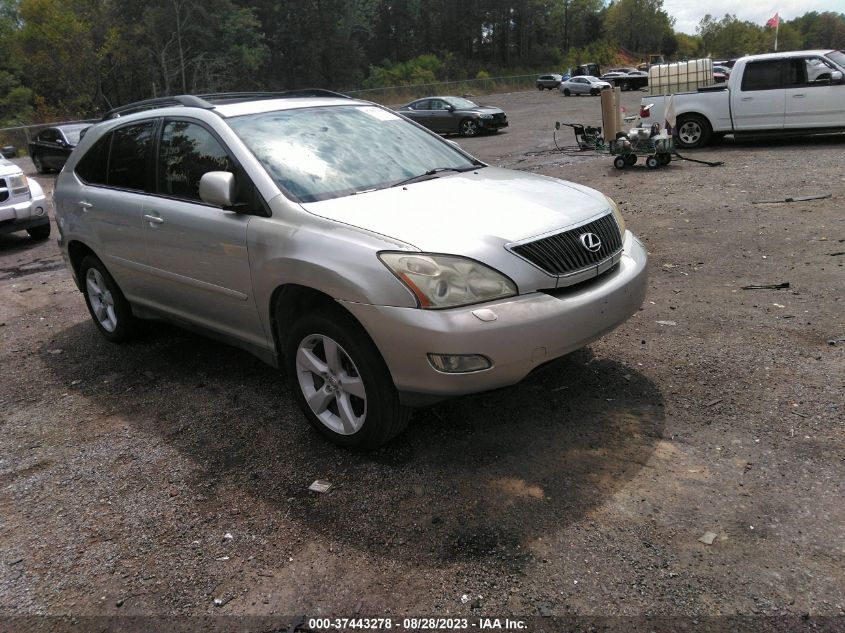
(584, 85)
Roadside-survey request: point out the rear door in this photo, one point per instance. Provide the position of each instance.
(116, 177)
(811, 99)
(197, 253)
(760, 101)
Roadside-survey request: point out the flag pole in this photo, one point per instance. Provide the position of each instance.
(777, 27)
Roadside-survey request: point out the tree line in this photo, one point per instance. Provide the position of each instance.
(63, 59)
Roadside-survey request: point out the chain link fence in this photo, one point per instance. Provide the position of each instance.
(394, 95)
(15, 140)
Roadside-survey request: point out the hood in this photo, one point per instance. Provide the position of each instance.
(467, 213)
(8, 168)
(482, 109)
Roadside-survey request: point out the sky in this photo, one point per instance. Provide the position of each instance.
(688, 13)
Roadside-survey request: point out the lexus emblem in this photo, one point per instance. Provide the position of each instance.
(591, 242)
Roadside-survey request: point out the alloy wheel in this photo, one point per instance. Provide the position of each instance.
(101, 299)
(331, 384)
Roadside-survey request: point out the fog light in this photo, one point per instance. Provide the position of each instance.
(459, 363)
(39, 211)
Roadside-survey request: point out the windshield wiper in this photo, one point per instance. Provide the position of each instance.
(431, 173)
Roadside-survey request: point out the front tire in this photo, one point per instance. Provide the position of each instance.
(341, 382)
(108, 307)
(39, 164)
(693, 131)
(468, 127)
(39, 232)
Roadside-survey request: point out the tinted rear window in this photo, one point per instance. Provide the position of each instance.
(129, 159)
(92, 167)
(765, 75)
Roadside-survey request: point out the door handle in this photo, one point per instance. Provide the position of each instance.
(748, 99)
(86, 206)
(154, 219)
(798, 96)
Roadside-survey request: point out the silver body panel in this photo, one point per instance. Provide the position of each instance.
(218, 270)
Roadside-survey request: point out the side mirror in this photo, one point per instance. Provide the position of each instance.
(836, 77)
(450, 108)
(217, 188)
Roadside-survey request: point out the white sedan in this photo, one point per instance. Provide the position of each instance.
(583, 85)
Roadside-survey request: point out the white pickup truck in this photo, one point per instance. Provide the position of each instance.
(800, 92)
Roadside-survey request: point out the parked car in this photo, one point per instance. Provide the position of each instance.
(548, 82)
(626, 78)
(380, 264)
(798, 92)
(51, 147)
(723, 70)
(23, 206)
(454, 115)
(584, 85)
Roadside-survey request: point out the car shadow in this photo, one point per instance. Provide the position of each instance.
(479, 477)
(833, 140)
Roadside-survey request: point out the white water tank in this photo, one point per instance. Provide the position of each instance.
(677, 77)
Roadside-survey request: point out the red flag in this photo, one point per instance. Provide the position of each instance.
(774, 21)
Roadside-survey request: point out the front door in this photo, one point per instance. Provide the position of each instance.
(197, 253)
(811, 99)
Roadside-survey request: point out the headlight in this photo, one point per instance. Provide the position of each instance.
(19, 185)
(485, 116)
(446, 281)
(617, 214)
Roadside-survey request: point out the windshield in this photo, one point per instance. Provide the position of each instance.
(73, 134)
(332, 151)
(838, 57)
(460, 103)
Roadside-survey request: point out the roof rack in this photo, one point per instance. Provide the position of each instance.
(204, 101)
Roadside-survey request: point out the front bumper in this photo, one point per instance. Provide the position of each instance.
(24, 215)
(529, 330)
(492, 124)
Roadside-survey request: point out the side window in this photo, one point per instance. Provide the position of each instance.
(819, 72)
(128, 161)
(764, 75)
(188, 151)
(91, 168)
(422, 105)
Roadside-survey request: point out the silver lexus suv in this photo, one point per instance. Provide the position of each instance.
(380, 265)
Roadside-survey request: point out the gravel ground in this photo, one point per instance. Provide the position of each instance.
(155, 477)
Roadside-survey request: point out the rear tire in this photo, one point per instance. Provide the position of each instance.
(340, 381)
(566, 92)
(109, 309)
(39, 232)
(693, 131)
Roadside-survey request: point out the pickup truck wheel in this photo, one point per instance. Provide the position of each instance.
(39, 232)
(693, 131)
(108, 307)
(341, 382)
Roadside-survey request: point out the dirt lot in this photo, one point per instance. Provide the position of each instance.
(125, 470)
